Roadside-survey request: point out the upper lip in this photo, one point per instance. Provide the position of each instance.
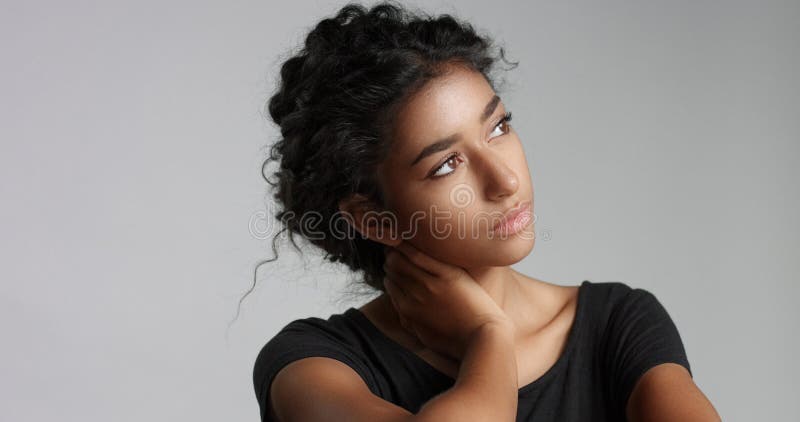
(512, 212)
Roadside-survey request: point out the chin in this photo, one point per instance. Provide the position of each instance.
(515, 249)
(494, 252)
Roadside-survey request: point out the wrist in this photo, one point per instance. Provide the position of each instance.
(499, 328)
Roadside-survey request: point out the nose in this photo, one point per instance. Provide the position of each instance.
(500, 179)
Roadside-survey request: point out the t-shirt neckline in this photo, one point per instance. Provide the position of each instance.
(572, 339)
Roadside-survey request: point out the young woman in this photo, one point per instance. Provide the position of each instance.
(391, 123)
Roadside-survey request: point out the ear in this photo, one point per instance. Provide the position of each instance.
(372, 221)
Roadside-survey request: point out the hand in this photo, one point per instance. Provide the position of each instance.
(440, 303)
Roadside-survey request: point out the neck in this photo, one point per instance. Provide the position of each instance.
(501, 283)
(507, 288)
(510, 290)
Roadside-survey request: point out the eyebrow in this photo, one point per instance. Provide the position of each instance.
(445, 143)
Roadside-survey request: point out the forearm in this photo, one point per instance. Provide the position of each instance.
(486, 387)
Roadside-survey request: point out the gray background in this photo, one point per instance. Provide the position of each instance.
(662, 139)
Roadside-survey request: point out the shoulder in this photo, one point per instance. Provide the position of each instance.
(625, 310)
(637, 334)
(606, 292)
(629, 305)
(312, 336)
(302, 338)
(610, 292)
(610, 301)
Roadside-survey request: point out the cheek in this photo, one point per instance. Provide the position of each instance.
(447, 225)
(418, 215)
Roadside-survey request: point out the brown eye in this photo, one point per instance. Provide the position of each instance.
(450, 162)
(453, 160)
(503, 123)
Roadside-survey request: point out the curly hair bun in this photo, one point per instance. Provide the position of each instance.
(334, 106)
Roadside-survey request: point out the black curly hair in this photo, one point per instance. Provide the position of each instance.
(334, 106)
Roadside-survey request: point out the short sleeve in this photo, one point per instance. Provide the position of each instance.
(640, 335)
(296, 341)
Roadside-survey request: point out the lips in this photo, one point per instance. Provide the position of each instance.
(512, 213)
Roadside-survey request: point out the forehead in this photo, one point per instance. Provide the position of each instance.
(449, 104)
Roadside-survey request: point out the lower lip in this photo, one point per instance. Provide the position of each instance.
(515, 225)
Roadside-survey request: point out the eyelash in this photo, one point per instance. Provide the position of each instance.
(505, 119)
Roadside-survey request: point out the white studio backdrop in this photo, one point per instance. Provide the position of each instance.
(662, 139)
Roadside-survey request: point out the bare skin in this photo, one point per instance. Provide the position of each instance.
(538, 345)
(529, 320)
(483, 172)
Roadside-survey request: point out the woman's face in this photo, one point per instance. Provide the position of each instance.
(448, 195)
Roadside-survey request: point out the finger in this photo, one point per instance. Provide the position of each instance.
(423, 260)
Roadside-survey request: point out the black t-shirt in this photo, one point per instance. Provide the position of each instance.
(618, 334)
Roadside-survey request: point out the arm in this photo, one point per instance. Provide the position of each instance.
(650, 372)
(667, 393)
(489, 369)
(321, 389)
